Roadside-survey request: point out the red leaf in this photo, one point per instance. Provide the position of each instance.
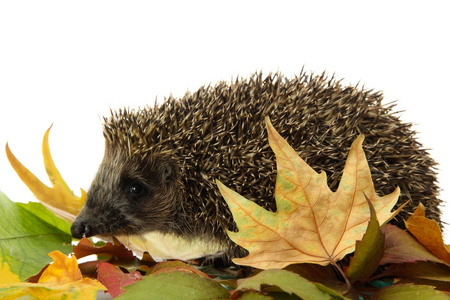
(114, 279)
(401, 247)
(423, 270)
(86, 248)
(35, 278)
(89, 268)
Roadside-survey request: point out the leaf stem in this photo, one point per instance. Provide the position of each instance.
(347, 282)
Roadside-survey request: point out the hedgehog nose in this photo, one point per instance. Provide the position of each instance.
(81, 228)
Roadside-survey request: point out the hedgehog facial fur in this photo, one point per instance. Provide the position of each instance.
(130, 195)
(161, 162)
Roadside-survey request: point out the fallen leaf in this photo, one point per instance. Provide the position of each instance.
(26, 237)
(85, 248)
(62, 279)
(423, 270)
(402, 247)
(147, 258)
(428, 233)
(176, 285)
(114, 279)
(62, 270)
(6, 276)
(312, 224)
(439, 285)
(168, 246)
(325, 275)
(89, 268)
(368, 252)
(410, 292)
(116, 254)
(288, 282)
(253, 295)
(420, 210)
(174, 266)
(35, 278)
(40, 211)
(60, 198)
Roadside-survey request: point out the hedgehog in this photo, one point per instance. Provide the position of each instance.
(161, 163)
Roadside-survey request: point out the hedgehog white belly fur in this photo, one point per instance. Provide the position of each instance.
(160, 164)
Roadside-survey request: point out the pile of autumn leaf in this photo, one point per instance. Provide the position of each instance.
(296, 253)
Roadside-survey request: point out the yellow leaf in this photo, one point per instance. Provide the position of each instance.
(312, 224)
(428, 233)
(59, 199)
(62, 279)
(6, 276)
(62, 270)
(83, 289)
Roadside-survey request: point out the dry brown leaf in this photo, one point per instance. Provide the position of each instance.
(312, 224)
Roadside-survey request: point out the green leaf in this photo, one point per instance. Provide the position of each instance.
(323, 276)
(410, 292)
(439, 285)
(252, 295)
(368, 252)
(286, 281)
(46, 215)
(176, 285)
(26, 238)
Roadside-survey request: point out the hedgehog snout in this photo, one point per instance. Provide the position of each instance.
(82, 228)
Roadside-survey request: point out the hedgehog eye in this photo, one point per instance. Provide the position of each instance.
(136, 190)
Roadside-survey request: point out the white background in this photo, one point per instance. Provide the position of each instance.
(69, 62)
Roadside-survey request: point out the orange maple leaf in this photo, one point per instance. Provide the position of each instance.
(428, 233)
(312, 224)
